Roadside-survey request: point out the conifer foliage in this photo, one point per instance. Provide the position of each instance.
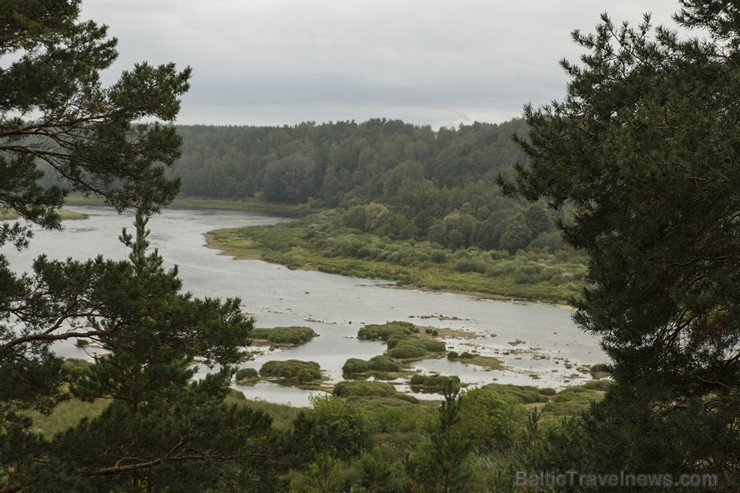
(646, 146)
(159, 430)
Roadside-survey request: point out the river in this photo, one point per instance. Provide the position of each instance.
(538, 343)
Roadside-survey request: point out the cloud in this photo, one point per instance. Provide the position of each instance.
(298, 60)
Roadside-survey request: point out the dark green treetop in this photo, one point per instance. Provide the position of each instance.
(160, 430)
(55, 115)
(646, 146)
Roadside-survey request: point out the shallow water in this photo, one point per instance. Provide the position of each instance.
(334, 306)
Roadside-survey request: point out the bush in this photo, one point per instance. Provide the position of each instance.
(452, 355)
(408, 348)
(364, 389)
(246, 375)
(76, 366)
(525, 394)
(601, 385)
(303, 371)
(383, 363)
(355, 365)
(433, 383)
(412, 347)
(385, 331)
(434, 346)
(438, 257)
(293, 336)
(471, 265)
(600, 370)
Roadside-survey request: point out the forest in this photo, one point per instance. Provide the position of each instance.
(389, 178)
(635, 172)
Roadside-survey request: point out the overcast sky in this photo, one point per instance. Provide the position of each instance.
(274, 62)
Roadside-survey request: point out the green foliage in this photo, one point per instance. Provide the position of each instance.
(523, 393)
(648, 162)
(321, 242)
(441, 463)
(154, 418)
(338, 426)
(491, 421)
(290, 179)
(98, 146)
(377, 365)
(383, 363)
(386, 331)
(246, 375)
(355, 365)
(414, 348)
(433, 383)
(291, 336)
(363, 389)
(302, 371)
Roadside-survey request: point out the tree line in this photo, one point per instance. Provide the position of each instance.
(389, 177)
(643, 150)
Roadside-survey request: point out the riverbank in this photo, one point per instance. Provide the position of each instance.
(199, 203)
(317, 243)
(66, 215)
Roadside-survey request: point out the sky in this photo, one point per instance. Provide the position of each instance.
(426, 62)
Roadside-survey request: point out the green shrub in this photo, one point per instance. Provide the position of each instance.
(383, 363)
(525, 394)
(432, 383)
(438, 257)
(407, 348)
(600, 370)
(246, 375)
(293, 336)
(385, 331)
(466, 355)
(470, 265)
(355, 365)
(548, 391)
(415, 348)
(363, 389)
(434, 346)
(75, 366)
(452, 355)
(303, 371)
(236, 395)
(600, 385)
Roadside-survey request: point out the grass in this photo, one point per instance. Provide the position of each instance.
(319, 242)
(64, 214)
(66, 415)
(363, 389)
(283, 336)
(403, 340)
(433, 383)
(292, 371)
(487, 362)
(571, 401)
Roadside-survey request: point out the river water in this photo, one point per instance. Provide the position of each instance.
(538, 343)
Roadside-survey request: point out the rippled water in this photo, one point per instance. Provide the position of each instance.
(549, 346)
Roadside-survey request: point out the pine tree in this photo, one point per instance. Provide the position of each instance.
(56, 117)
(646, 146)
(160, 431)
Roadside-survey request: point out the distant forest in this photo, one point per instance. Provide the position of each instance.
(388, 177)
